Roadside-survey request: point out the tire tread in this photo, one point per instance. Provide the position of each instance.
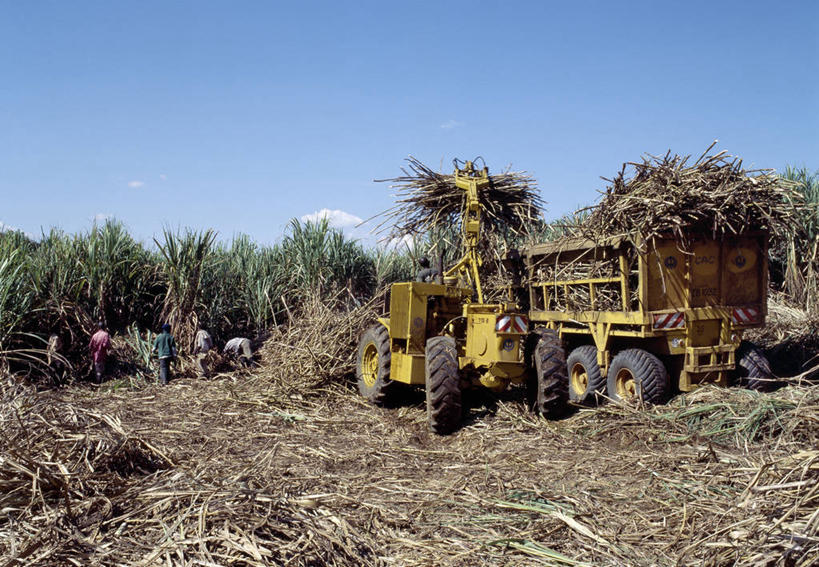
(587, 356)
(443, 388)
(550, 393)
(381, 392)
(649, 373)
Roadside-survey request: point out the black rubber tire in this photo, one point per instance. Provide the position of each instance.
(650, 378)
(443, 388)
(584, 359)
(377, 391)
(548, 385)
(753, 371)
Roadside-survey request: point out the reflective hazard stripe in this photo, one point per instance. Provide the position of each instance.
(519, 324)
(669, 320)
(744, 315)
(512, 324)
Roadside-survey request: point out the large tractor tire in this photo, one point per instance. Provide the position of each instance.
(548, 386)
(586, 382)
(443, 388)
(753, 371)
(636, 375)
(373, 365)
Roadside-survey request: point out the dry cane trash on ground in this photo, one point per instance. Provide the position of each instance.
(279, 466)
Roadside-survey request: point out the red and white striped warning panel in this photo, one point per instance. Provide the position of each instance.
(745, 315)
(669, 321)
(512, 324)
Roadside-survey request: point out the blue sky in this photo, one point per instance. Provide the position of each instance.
(242, 115)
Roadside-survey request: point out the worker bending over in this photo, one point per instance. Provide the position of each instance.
(202, 345)
(240, 347)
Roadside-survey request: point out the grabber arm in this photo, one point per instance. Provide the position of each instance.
(471, 180)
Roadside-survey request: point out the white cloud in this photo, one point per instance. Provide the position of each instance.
(102, 217)
(406, 242)
(135, 184)
(336, 217)
(450, 124)
(5, 227)
(163, 177)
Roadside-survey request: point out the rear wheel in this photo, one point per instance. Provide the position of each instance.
(373, 365)
(444, 405)
(548, 388)
(636, 375)
(586, 383)
(753, 371)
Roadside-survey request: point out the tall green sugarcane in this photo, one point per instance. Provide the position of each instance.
(14, 299)
(802, 263)
(184, 258)
(112, 264)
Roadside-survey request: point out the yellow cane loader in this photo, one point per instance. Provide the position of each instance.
(443, 336)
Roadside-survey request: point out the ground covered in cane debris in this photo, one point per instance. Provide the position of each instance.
(256, 469)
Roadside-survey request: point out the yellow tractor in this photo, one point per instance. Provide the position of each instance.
(445, 337)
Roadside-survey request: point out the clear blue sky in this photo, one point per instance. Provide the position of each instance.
(242, 115)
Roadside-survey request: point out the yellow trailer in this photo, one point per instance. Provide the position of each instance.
(640, 320)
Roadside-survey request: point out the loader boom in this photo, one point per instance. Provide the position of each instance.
(471, 181)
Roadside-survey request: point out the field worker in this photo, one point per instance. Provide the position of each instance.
(202, 345)
(165, 349)
(240, 346)
(99, 345)
(426, 274)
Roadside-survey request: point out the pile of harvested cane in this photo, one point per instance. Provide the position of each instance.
(426, 200)
(319, 344)
(711, 197)
(608, 296)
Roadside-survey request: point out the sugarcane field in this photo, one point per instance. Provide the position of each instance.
(636, 383)
(432, 284)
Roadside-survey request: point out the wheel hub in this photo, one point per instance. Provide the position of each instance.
(369, 365)
(579, 379)
(626, 385)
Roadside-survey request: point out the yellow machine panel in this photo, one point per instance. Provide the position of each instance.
(485, 345)
(408, 316)
(418, 310)
(407, 368)
(743, 278)
(705, 262)
(666, 277)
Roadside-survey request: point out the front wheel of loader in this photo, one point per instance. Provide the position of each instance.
(444, 404)
(636, 375)
(548, 386)
(753, 371)
(586, 382)
(373, 365)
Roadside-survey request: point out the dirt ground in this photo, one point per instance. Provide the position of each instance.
(246, 470)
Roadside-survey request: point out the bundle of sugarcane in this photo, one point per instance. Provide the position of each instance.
(426, 199)
(712, 197)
